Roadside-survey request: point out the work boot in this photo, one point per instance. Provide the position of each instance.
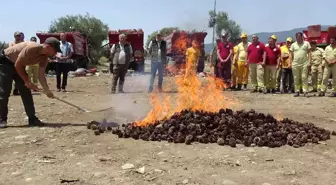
(297, 94)
(233, 88)
(121, 91)
(35, 122)
(313, 90)
(245, 86)
(320, 94)
(260, 90)
(58, 90)
(3, 124)
(266, 91)
(273, 91)
(16, 92)
(239, 87)
(254, 90)
(63, 90)
(332, 94)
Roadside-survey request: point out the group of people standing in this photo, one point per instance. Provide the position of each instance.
(273, 68)
(62, 60)
(120, 58)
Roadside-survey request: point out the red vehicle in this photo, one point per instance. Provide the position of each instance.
(80, 46)
(322, 37)
(178, 42)
(136, 39)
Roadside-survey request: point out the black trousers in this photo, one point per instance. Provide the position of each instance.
(7, 75)
(200, 66)
(119, 73)
(62, 69)
(287, 76)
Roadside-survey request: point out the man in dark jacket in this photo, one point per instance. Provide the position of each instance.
(157, 50)
(120, 59)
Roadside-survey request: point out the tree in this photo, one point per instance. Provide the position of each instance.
(92, 27)
(163, 31)
(223, 22)
(3, 45)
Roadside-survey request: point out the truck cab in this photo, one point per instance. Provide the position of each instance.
(177, 44)
(135, 37)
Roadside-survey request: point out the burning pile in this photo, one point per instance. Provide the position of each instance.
(195, 118)
(225, 127)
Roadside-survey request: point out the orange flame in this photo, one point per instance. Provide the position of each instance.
(203, 94)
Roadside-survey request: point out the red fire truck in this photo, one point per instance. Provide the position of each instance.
(136, 39)
(80, 46)
(178, 42)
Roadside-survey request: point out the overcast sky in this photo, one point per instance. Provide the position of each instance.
(30, 16)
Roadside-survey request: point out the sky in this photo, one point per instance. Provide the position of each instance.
(30, 16)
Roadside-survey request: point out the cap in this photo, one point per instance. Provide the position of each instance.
(53, 42)
(17, 33)
(289, 39)
(158, 33)
(274, 37)
(244, 35)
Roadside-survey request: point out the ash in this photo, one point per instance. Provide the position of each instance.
(226, 127)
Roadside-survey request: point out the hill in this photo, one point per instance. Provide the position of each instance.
(263, 36)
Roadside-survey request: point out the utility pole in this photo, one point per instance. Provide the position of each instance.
(212, 24)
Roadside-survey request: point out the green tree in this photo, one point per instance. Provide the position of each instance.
(89, 25)
(223, 22)
(163, 31)
(3, 45)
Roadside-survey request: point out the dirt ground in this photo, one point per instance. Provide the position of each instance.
(66, 149)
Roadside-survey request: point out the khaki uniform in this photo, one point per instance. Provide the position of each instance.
(242, 68)
(317, 64)
(300, 65)
(329, 54)
(33, 73)
(234, 68)
(30, 53)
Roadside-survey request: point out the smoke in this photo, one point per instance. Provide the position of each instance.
(130, 106)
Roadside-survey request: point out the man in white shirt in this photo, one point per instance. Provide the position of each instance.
(120, 57)
(63, 61)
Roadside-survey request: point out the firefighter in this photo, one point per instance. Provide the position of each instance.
(224, 52)
(120, 56)
(272, 64)
(157, 50)
(316, 66)
(256, 59)
(300, 57)
(18, 37)
(286, 70)
(330, 68)
(241, 63)
(13, 61)
(234, 69)
(33, 70)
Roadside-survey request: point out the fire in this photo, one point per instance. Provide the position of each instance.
(193, 93)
